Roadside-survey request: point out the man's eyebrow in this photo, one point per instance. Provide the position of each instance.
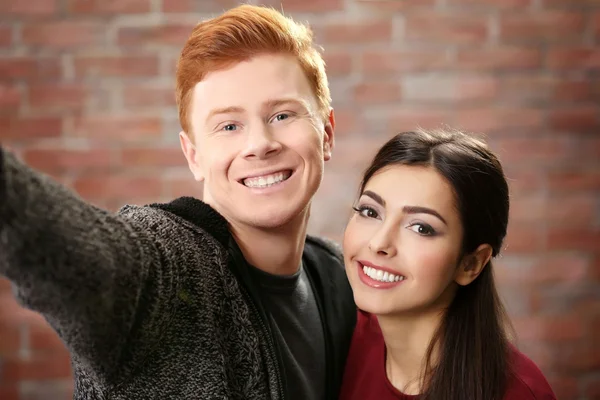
(224, 110)
(285, 101)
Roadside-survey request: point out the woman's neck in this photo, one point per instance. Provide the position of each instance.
(407, 340)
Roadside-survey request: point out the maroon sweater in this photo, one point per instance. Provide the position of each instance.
(365, 377)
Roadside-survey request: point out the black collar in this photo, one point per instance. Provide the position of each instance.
(200, 214)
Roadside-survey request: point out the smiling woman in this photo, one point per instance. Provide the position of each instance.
(432, 212)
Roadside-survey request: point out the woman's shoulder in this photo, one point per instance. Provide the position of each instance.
(526, 380)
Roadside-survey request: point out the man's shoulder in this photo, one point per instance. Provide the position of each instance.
(324, 245)
(183, 212)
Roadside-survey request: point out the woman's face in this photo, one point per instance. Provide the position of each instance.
(403, 243)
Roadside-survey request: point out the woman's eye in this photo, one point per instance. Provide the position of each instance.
(367, 212)
(423, 229)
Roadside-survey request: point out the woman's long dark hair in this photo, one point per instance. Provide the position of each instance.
(471, 344)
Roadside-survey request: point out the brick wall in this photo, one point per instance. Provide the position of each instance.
(86, 95)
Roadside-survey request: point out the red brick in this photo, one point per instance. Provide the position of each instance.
(58, 96)
(490, 120)
(491, 4)
(182, 186)
(521, 239)
(570, 3)
(528, 88)
(54, 389)
(28, 8)
(10, 99)
(98, 7)
(544, 88)
(6, 36)
(42, 367)
(548, 25)
(118, 66)
(564, 387)
(541, 270)
(581, 357)
(352, 32)
(409, 118)
(30, 68)
(550, 328)
(519, 300)
(63, 34)
(118, 187)
(572, 90)
(592, 387)
(43, 339)
(12, 313)
(588, 147)
(579, 119)
(316, 6)
(62, 160)
(123, 128)
(9, 391)
(524, 181)
(152, 157)
(376, 92)
(581, 239)
(10, 339)
(386, 6)
(596, 24)
(528, 209)
(584, 58)
(197, 6)
(449, 88)
(531, 149)
(5, 286)
(148, 95)
(580, 180)
(379, 63)
(338, 63)
(348, 121)
(498, 58)
(446, 29)
(23, 128)
(571, 210)
(168, 34)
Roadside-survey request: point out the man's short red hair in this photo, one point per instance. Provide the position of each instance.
(238, 35)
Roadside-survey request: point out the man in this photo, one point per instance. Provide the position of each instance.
(226, 298)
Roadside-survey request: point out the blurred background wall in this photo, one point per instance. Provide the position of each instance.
(86, 95)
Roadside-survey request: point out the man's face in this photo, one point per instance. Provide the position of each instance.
(260, 143)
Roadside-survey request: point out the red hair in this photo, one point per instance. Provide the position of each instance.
(238, 35)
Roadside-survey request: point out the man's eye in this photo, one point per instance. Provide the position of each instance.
(230, 127)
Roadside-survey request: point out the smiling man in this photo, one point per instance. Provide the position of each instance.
(223, 298)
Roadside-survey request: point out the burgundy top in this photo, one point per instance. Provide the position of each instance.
(365, 377)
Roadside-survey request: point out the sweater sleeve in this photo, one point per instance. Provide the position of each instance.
(92, 274)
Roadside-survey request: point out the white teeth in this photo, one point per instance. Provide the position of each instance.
(382, 276)
(267, 180)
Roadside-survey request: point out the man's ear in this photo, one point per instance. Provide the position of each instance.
(191, 155)
(473, 264)
(328, 137)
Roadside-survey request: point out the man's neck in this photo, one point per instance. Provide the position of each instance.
(276, 251)
(407, 340)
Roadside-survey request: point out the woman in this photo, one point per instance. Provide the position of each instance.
(432, 212)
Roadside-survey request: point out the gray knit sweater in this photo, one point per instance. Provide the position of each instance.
(143, 299)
